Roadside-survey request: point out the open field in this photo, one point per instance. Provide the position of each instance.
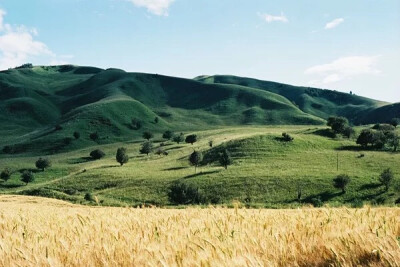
(36, 231)
(266, 172)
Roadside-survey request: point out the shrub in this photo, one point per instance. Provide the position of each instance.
(97, 154)
(225, 159)
(27, 177)
(182, 193)
(365, 138)
(179, 138)
(191, 139)
(121, 156)
(348, 132)
(67, 140)
(210, 143)
(195, 158)
(386, 178)
(357, 203)
(147, 135)
(317, 202)
(146, 148)
(43, 163)
(5, 174)
(167, 135)
(89, 197)
(395, 122)
(156, 119)
(94, 136)
(393, 140)
(341, 181)
(136, 124)
(337, 124)
(7, 149)
(58, 127)
(287, 138)
(76, 135)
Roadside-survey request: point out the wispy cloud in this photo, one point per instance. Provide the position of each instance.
(274, 18)
(156, 7)
(334, 23)
(343, 68)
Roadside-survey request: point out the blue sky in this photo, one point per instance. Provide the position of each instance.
(342, 45)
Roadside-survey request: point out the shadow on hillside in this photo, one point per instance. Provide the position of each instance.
(9, 186)
(175, 168)
(324, 196)
(79, 160)
(29, 169)
(369, 196)
(356, 148)
(174, 148)
(199, 174)
(324, 132)
(108, 166)
(370, 186)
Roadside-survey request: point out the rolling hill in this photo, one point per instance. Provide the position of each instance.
(89, 99)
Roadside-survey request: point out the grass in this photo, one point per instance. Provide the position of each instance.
(42, 232)
(267, 172)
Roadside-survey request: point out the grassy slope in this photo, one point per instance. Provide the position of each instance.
(321, 103)
(265, 170)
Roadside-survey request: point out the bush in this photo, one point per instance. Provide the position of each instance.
(76, 135)
(191, 139)
(89, 197)
(393, 140)
(195, 158)
(179, 138)
(5, 174)
(386, 178)
(58, 127)
(337, 124)
(287, 138)
(43, 163)
(225, 159)
(156, 119)
(147, 136)
(136, 124)
(365, 138)
(210, 143)
(317, 202)
(97, 154)
(146, 148)
(94, 136)
(182, 193)
(348, 132)
(394, 122)
(27, 177)
(121, 156)
(167, 135)
(67, 140)
(7, 149)
(341, 181)
(357, 203)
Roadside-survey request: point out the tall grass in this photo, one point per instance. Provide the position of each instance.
(40, 232)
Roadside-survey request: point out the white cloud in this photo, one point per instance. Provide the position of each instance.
(18, 45)
(271, 18)
(157, 7)
(343, 68)
(334, 23)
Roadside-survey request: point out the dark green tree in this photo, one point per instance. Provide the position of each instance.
(393, 140)
(27, 177)
(167, 135)
(225, 159)
(43, 163)
(195, 159)
(365, 138)
(97, 154)
(179, 138)
(337, 124)
(136, 124)
(395, 122)
(348, 132)
(156, 119)
(191, 139)
(146, 148)
(147, 135)
(94, 136)
(341, 181)
(5, 174)
(77, 135)
(386, 178)
(122, 156)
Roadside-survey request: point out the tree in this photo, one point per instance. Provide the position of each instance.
(27, 177)
(167, 135)
(191, 139)
(348, 132)
(58, 127)
(156, 119)
(94, 136)
(136, 124)
(76, 135)
(287, 138)
(386, 178)
(43, 163)
(147, 135)
(5, 174)
(183, 193)
(146, 148)
(366, 137)
(337, 124)
(179, 138)
(341, 181)
(395, 122)
(122, 157)
(225, 159)
(379, 139)
(210, 143)
(97, 154)
(393, 140)
(195, 158)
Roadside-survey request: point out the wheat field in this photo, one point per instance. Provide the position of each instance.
(44, 232)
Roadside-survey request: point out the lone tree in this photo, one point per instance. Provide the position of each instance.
(395, 122)
(337, 124)
(167, 135)
(341, 181)
(43, 163)
(136, 124)
(225, 159)
(191, 139)
(94, 136)
(179, 138)
(97, 154)
(195, 158)
(122, 157)
(5, 174)
(386, 178)
(27, 177)
(76, 135)
(147, 135)
(366, 137)
(146, 148)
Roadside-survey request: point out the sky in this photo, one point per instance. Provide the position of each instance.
(344, 45)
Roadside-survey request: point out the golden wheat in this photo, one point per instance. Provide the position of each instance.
(41, 232)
